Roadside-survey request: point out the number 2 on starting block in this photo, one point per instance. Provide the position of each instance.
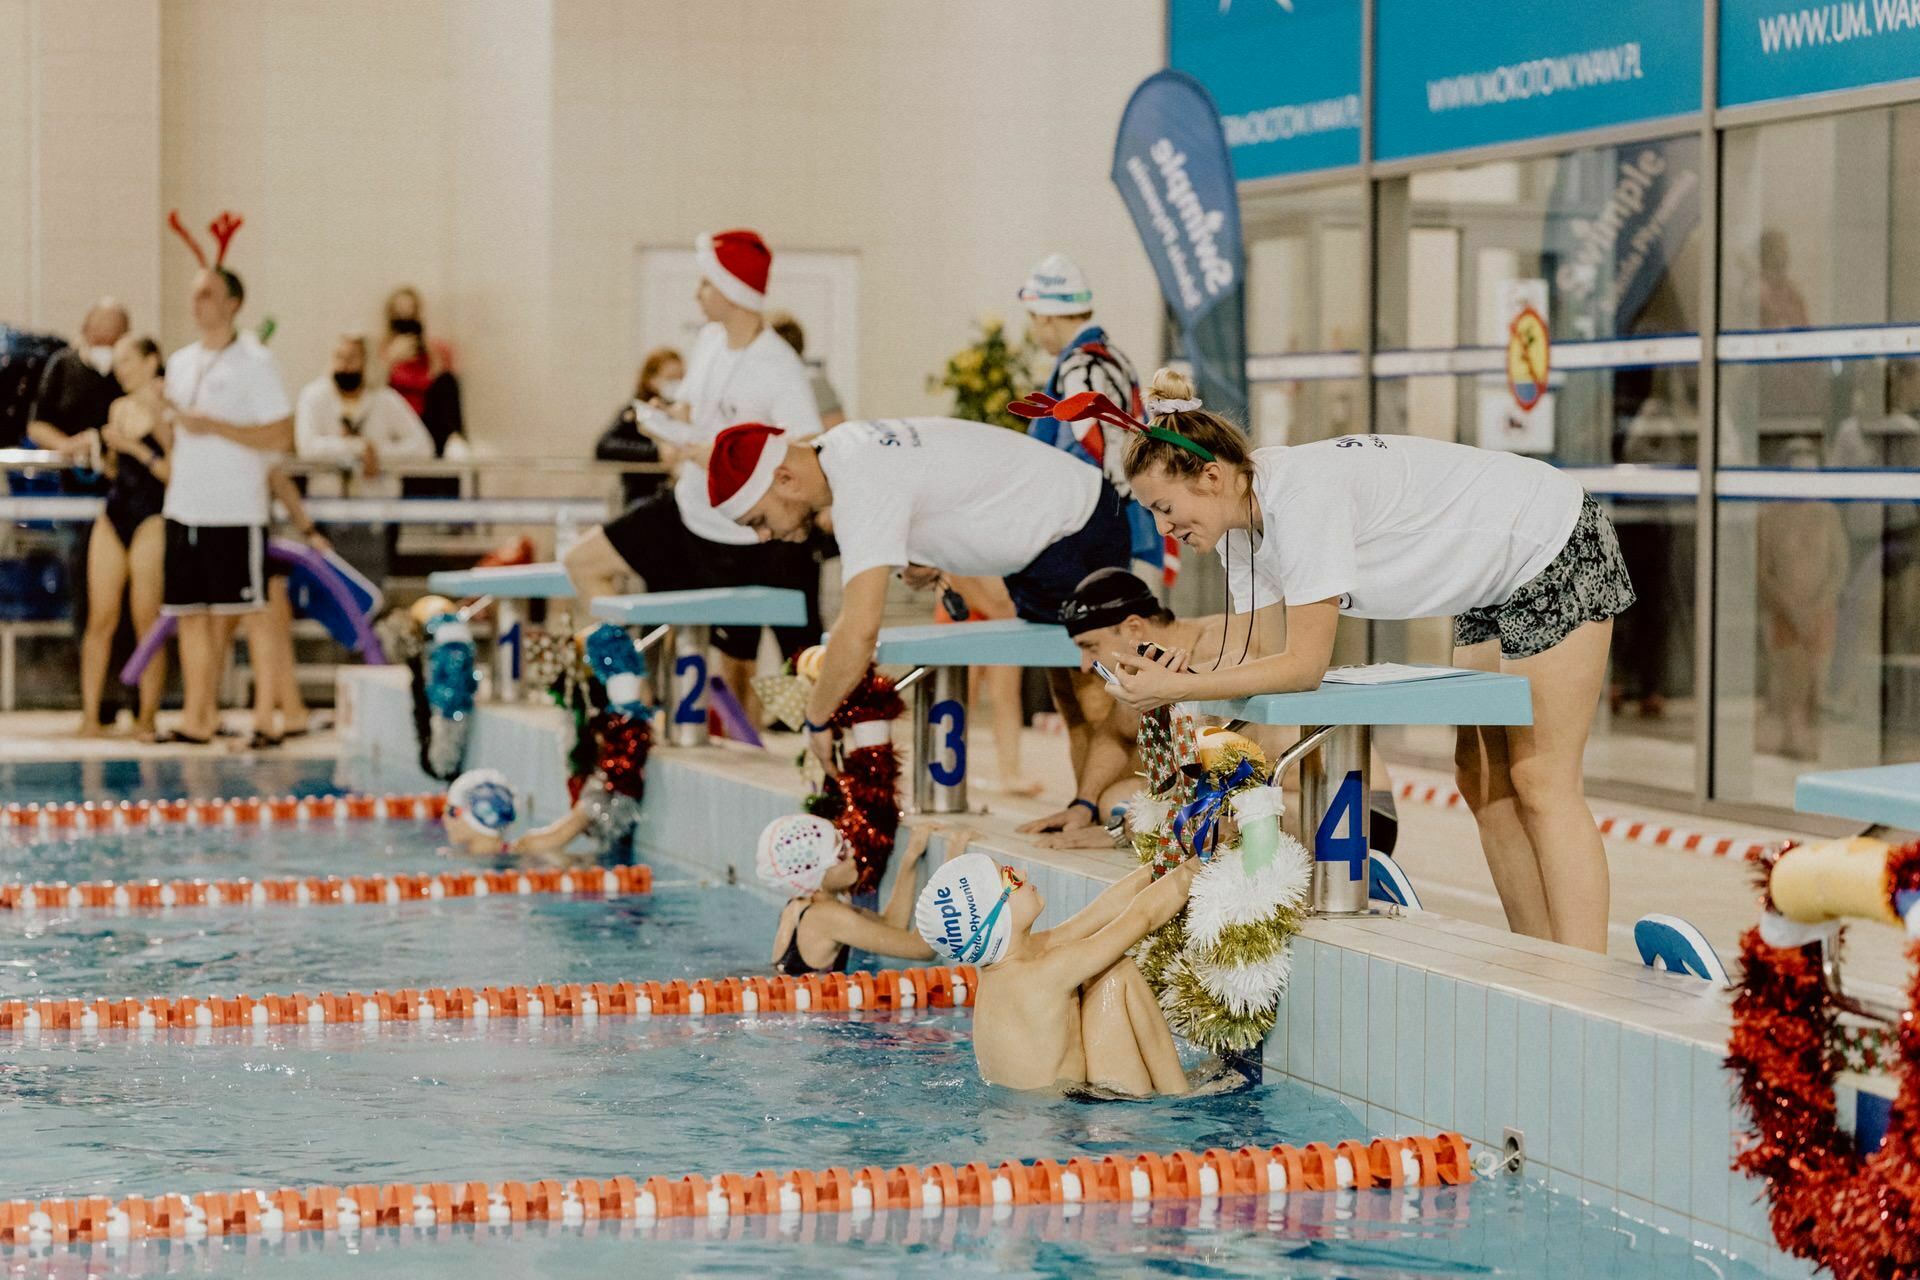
(690, 673)
(1349, 802)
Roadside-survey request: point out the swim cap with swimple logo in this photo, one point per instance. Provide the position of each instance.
(484, 798)
(797, 850)
(962, 913)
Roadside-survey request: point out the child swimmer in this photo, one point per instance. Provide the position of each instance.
(809, 858)
(1064, 1007)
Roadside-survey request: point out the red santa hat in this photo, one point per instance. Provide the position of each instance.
(741, 469)
(736, 262)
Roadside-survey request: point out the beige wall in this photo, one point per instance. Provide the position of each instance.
(510, 157)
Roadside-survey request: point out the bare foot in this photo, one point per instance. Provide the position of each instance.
(90, 727)
(1078, 838)
(146, 731)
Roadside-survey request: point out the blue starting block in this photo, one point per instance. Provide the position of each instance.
(1888, 796)
(690, 614)
(940, 655)
(1335, 749)
(506, 585)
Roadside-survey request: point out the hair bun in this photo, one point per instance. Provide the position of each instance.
(1170, 384)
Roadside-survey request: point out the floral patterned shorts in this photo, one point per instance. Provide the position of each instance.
(1586, 582)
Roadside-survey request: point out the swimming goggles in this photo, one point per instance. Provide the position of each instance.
(976, 945)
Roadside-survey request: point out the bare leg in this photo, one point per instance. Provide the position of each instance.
(106, 578)
(987, 598)
(594, 567)
(1124, 1035)
(201, 658)
(1482, 772)
(1546, 766)
(270, 651)
(294, 716)
(1081, 699)
(147, 572)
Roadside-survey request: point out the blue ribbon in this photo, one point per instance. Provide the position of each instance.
(1202, 814)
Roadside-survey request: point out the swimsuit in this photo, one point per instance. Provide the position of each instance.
(135, 496)
(794, 965)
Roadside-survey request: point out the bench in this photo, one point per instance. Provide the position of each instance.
(1886, 796)
(940, 655)
(1336, 745)
(507, 585)
(691, 614)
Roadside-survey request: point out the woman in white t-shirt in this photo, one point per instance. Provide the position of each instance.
(1400, 527)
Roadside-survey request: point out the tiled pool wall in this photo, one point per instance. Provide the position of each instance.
(1612, 1074)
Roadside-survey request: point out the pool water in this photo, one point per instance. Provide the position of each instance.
(171, 777)
(120, 1113)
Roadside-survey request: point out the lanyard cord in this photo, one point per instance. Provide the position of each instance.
(1253, 580)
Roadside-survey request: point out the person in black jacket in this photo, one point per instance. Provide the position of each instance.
(623, 441)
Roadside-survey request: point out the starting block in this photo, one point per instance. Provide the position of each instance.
(1336, 747)
(691, 614)
(1887, 796)
(506, 585)
(940, 655)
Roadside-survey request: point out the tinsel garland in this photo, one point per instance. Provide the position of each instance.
(443, 681)
(1849, 1213)
(863, 799)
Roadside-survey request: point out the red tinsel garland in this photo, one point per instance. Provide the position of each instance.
(1853, 1215)
(623, 743)
(862, 800)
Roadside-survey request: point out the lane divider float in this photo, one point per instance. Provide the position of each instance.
(303, 891)
(1439, 1160)
(1632, 830)
(934, 987)
(74, 818)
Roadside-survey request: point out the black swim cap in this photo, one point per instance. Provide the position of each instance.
(1106, 598)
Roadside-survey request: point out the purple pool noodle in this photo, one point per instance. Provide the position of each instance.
(298, 554)
(733, 716)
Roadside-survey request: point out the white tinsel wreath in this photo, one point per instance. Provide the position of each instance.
(1224, 894)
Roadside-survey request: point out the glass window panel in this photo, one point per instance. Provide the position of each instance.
(1304, 288)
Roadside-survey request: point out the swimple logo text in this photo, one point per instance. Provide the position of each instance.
(1201, 224)
(950, 915)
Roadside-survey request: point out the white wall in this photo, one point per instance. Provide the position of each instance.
(510, 156)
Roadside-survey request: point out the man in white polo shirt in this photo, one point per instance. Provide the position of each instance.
(230, 418)
(739, 370)
(923, 496)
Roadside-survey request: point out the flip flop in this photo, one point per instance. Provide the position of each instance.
(319, 724)
(262, 741)
(174, 737)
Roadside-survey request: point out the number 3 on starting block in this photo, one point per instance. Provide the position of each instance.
(950, 767)
(1348, 802)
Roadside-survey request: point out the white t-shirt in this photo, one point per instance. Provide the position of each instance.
(763, 381)
(965, 497)
(1398, 526)
(216, 481)
(381, 415)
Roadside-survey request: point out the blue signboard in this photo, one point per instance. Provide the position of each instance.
(1475, 72)
(1285, 74)
(1784, 48)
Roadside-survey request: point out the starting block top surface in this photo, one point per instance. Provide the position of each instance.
(513, 581)
(1010, 643)
(1888, 796)
(1481, 697)
(708, 607)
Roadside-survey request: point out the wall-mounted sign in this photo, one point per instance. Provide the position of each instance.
(1517, 414)
(1785, 48)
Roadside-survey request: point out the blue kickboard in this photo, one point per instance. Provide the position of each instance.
(512, 581)
(708, 607)
(311, 599)
(1480, 697)
(1011, 643)
(1888, 796)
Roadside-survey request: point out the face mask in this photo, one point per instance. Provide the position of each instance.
(348, 380)
(101, 359)
(668, 389)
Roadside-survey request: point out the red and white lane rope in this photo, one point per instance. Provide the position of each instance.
(304, 891)
(1442, 1159)
(73, 818)
(1634, 830)
(934, 987)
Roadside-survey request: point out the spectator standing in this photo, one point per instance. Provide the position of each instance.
(230, 418)
(127, 546)
(825, 398)
(658, 385)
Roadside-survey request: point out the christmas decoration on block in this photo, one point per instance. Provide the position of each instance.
(1848, 1212)
(436, 645)
(862, 800)
(1220, 967)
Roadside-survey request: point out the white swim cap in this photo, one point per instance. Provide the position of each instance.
(1056, 287)
(484, 798)
(796, 851)
(962, 913)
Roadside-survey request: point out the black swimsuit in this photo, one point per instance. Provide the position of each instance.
(793, 964)
(136, 494)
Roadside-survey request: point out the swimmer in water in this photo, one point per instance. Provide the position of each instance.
(807, 857)
(480, 810)
(1064, 1007)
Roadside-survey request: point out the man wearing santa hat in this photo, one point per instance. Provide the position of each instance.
(923, 496)
(739, 369)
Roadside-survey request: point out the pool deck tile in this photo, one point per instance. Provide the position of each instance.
(1382, 1012)
(1600, 1102)
(1634, 1153)
(1355, 1023)
(1470, 1061)
(1566, 1081)
(1439, 1108)
(1410, 1038)
(1502, 1105)
(1673, 1124)
(1531, 1064)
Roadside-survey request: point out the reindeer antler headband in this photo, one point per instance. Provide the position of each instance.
(221, 228)
(1091, 404)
